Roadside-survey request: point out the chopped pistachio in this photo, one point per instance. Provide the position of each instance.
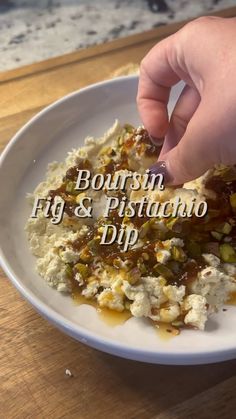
(69, 271)
(100, 229)
(157, 226)
(233, 201)
(85, 255)
(162, 281)
(129, 128)
(224, 228)
(106, 160)
(120, 140)
(109, 229)
(161, 269)
(116, 263)
(70, 188)
(227, 253)
(126, 219)
(160, 230)
(133, 276)
(106, 150)
(67, 198)
(175, 224)
(82, 269)
(144, 229)
(141, 266)
(217, 235)
(93, 244)
(178, 254)
(79, 197)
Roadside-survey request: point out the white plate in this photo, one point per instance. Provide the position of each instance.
(48, 137)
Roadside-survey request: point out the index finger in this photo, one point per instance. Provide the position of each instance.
(158, 73)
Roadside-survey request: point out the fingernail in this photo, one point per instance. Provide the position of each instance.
(156, 141)
(160, 167)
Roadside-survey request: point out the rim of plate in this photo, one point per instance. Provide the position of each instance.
(80, 333)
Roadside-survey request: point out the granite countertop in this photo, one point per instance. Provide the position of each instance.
(31, 30)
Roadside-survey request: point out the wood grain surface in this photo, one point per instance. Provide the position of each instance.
(34, 355)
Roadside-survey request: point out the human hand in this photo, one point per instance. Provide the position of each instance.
(202, 128)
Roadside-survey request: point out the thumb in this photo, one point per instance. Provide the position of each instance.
(196, 152)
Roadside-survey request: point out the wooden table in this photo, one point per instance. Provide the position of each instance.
(34, 355)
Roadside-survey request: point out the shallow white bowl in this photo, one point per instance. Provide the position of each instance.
(48, 137)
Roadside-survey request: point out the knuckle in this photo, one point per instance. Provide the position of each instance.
(203, 19)
(143, 66)
(196, 24)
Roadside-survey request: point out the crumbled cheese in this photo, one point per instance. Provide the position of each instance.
(141, 306)
(169, 314)
(62, 287)
(175, 241)
(212, 260)
(91, 289)
(79, 279)
(230, 268)
(111, 299)
(197, 311)
(174, 293)
(163, 256)
(212, 284)
(148, 297)
(199, 185)
(69, 256)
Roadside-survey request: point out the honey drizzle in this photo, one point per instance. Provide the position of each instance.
(114, 318)
(110, 317)
(232, 299)
(166, 331)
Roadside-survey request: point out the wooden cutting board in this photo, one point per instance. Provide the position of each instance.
(34, 355)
